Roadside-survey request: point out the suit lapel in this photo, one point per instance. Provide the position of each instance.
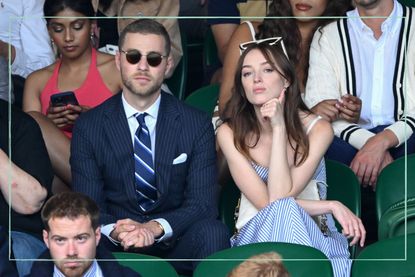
(119, 138)
(167, 133)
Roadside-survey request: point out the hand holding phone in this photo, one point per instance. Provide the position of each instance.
(63, 99)
(64, 109)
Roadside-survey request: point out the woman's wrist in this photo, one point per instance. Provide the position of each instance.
(332, 205)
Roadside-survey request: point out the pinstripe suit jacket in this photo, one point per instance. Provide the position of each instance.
(103, 166)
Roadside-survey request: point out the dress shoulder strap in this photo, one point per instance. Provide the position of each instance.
(312, 123)
(251, 29)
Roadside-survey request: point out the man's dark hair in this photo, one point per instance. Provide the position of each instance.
(71, 205)
(146, 27)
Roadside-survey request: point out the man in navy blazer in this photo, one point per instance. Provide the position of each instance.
(181, 223)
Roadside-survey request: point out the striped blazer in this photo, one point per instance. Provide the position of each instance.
(332, 74)
(102, 164)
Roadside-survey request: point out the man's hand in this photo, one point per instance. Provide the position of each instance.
(372, 158)
(327, 109)
(132, 234)
(349, 107)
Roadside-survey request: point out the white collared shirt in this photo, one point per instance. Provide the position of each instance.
(374, 64)
(93, 271)
(150, 120)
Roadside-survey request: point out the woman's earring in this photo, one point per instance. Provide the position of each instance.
(93, 40)
(54, 49)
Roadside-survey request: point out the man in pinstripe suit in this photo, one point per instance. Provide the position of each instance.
(181, 223)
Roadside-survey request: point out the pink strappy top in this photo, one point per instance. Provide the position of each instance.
(91, 93)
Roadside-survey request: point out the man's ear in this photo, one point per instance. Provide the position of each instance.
(97, 235)
(46, 237)
(169, 66)
(118, 60)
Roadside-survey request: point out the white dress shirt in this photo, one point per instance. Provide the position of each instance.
(93, 271)
(23, 26)
(374, 64)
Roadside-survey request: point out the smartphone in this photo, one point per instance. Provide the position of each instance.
(63, 99)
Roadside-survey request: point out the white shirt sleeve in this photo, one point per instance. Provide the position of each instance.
(29, 36)
(168, 231)
(106, 230)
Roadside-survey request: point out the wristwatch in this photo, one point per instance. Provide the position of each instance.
(161, 228)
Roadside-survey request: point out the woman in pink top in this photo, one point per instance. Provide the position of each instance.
(91, 75)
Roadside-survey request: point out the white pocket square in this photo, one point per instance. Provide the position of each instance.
(180, 159)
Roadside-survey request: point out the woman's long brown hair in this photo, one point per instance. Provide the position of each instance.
(240, 115)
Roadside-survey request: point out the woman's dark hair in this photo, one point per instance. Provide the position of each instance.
(53, 7)
(287, 28)
(240, 115)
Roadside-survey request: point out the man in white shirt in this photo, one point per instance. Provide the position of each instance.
(369, 59)
(23, 29)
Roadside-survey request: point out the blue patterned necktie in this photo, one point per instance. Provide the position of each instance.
(145, 178)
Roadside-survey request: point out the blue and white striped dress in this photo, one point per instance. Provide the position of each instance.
(285, 221)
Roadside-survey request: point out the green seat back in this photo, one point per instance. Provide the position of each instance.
(387, 258)
(343, 186)
(299, 260)
(210, 52)
(204, 98)
(390, 187)
(410, 3)
(392, 222)
(229, 198)
(177, 82)
(147, 266)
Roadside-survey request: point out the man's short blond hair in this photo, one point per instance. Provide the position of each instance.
(262, 265)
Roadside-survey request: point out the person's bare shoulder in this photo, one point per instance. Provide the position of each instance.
(40, 77)
(224, 132)
(104, 59)
(243, 33)
(34, 85)
(318, 127)
(109, 72)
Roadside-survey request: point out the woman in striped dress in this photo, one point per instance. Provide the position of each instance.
(274, 147)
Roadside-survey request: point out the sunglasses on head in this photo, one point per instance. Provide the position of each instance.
(269, 41)
(134, 56)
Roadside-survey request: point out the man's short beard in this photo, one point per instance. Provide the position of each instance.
(150, 91)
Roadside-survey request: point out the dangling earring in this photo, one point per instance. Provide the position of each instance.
(93, 40)
(54, 48)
